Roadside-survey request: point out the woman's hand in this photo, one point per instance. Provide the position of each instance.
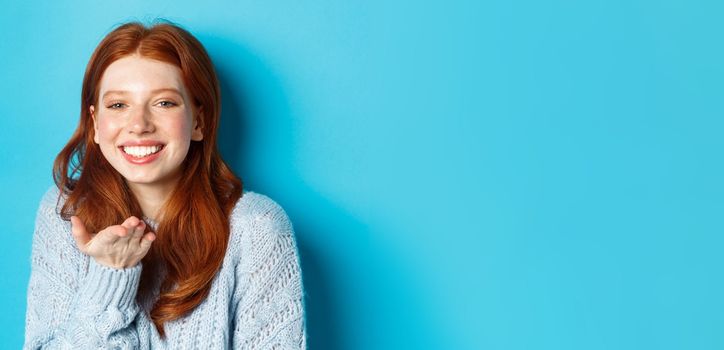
(117, 246)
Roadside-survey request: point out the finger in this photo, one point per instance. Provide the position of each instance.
(131, 226)
(136, 231)
(146, 241)
(80, 234)
(131, 223)
(140, 229)
(112, 234)
(137, 234)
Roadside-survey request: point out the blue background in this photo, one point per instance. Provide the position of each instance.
(460, 175)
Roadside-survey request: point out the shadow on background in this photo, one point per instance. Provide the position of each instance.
(237, 141)
(357, 292)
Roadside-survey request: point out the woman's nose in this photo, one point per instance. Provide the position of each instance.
(140, 122)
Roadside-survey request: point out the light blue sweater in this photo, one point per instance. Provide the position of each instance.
(255, 302)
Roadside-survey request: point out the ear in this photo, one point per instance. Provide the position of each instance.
(197, 133)
(95, 123)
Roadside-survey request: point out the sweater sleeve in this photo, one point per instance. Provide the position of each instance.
(269, 307)
(72, 301)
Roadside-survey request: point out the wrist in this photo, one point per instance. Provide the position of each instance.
(114, 265)
(109, 288)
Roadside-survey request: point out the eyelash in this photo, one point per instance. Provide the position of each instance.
(170, 104)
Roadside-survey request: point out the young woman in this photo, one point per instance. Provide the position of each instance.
(147, 240)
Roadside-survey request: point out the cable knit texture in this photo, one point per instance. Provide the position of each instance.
(256, 299)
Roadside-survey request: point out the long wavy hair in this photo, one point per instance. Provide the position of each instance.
(193, 229)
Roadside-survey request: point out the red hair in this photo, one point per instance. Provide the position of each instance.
(193, 228)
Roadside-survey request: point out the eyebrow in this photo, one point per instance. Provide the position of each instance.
(122, 92)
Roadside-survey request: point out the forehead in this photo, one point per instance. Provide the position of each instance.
(136, 74)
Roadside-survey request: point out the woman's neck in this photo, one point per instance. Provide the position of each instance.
(151, 197)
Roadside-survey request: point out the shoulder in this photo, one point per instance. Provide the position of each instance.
(49, 207)
(52, 232)
(50, 196)
(259, 223)
(256, 208)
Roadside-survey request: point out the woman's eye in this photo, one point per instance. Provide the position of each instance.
(167, 104)
(115, 105)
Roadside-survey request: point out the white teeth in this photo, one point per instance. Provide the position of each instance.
(141, 151)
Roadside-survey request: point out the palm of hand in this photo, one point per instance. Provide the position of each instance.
(117, 246)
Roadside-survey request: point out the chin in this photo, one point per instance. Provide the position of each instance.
(140, 181)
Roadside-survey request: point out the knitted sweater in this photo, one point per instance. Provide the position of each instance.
(255, 301)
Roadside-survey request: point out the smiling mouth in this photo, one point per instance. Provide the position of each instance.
(141, 151)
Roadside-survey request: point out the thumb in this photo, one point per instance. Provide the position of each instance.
(80, 234)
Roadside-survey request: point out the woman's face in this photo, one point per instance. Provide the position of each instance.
(144, 121)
